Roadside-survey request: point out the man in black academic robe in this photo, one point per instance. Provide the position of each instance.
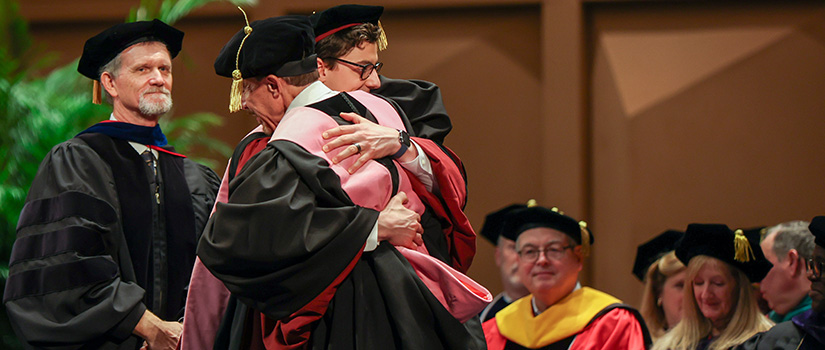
(425, 117)
(106, 240)
(291, 239)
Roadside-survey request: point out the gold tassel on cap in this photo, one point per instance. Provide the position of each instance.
(585, 233)
(382, 39)
(531, 203)
(742, 248)
(585, 239)
(235, 92)
(97, 95)
(237, 78)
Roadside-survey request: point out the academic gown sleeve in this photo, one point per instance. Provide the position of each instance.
(421, 102)
(69, 284)
(495, 341)
(448, 203)
(618, 329)
(287, 232)
(203, 188)
(783, 335)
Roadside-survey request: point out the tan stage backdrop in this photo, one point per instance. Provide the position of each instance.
(636, 116)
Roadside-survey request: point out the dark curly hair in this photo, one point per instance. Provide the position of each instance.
(342, 42)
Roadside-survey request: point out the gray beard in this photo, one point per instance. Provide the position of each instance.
(155, 108)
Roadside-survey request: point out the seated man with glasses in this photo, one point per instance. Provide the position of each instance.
(806, 330)
(559, 313)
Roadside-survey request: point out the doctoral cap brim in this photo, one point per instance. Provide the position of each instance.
(494, 222)
(334, 19)
(817, 228)
(105, 46)
(283, 46)
(652, 250)
(520, 220)
(718, 241)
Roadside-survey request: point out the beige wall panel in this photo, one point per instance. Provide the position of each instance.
(735, 139)
(198, 88)
(486, 59)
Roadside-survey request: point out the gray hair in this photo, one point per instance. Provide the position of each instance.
(113, 67)
(792, 235)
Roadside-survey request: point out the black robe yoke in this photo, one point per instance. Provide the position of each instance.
(421, 102)
(289, 231)
(87, 260)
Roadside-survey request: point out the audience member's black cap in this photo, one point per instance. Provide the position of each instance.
(739, 249)
(102, 48)
(652, 250)
(523, 219)
(817, 228)
(283, 46)
(494, 222)
(341, 17)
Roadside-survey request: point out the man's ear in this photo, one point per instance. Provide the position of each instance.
(108, 83)
(577, 251)
(322, 69)
(794, 262)
(274, 85)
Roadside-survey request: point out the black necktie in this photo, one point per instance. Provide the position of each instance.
(149, 158)
(159, 258)
(152, 171)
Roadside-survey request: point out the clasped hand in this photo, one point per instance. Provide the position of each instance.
(375, 141)
(400, 225)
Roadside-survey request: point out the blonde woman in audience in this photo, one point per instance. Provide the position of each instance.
(662, 298)
(719, 307)
(663, 275)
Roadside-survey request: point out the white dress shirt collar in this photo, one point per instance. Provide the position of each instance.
(315, 92)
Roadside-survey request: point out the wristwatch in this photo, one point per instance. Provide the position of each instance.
(404, 140)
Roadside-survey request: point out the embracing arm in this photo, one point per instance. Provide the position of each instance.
(375, 141)
(287, 226)
(422, 103)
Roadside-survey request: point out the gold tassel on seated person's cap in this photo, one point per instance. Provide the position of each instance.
(97, 95)
(585, 239)
(235, 91)
(531, 203)
(237, 78)
(382, 38)
(742, 247)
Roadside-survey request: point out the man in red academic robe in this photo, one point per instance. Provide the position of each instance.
(559, 313)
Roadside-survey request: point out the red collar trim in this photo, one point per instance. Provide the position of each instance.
(159, 149)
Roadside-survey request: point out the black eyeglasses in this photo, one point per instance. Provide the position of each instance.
(366, 69)
(815, 268)
(551, 252)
